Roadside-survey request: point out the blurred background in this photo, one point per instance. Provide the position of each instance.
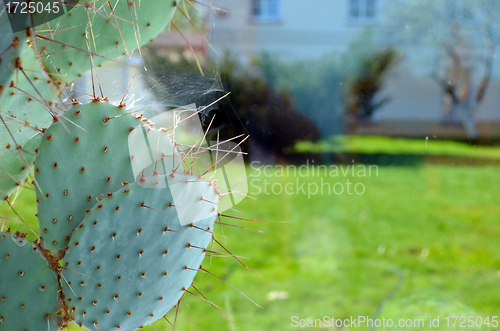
(378, 126)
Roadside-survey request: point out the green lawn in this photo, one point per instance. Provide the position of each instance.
(389, 145)
(429, 235)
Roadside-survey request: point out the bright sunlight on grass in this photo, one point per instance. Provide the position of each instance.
(389, 145)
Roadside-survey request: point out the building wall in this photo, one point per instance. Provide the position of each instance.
(305, 31)
(311, 28)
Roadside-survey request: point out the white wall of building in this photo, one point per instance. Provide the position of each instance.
(309, 29)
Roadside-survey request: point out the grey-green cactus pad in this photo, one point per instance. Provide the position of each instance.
(29, 104)
(13, 170)
(130, 266)
(28, 288)
(11, 46)
(74, 170)
(112, 33)
(25, 106)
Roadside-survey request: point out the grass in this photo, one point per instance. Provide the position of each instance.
(388, 145)
(431, 229)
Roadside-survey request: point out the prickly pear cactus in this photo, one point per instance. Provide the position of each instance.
(13, 171)
(27, 97)
(121, 239)
(134, 259)
(31, 82)
(108, 29)
(28, 286)
(76, 168)
(11, 46)
(131, 242)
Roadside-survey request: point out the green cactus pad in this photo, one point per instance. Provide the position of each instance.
(13, 170)
(29, 104)
(75, 170)
(24, 115)
(28, 288)
(11, 47)
(32, 110)
(104, 38)
(132, 258)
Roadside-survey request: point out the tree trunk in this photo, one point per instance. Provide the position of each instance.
(468, 121)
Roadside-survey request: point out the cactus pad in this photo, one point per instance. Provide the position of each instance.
(28, 288)
(132, 258)
(13, 170)
(113, 32)
(75, 170)
(26, 106)
(11, 46)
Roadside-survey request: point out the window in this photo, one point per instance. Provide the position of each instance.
(266, 10)
(363, 11)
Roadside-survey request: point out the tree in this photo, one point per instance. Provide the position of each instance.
(368, 67)
(454, 41)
